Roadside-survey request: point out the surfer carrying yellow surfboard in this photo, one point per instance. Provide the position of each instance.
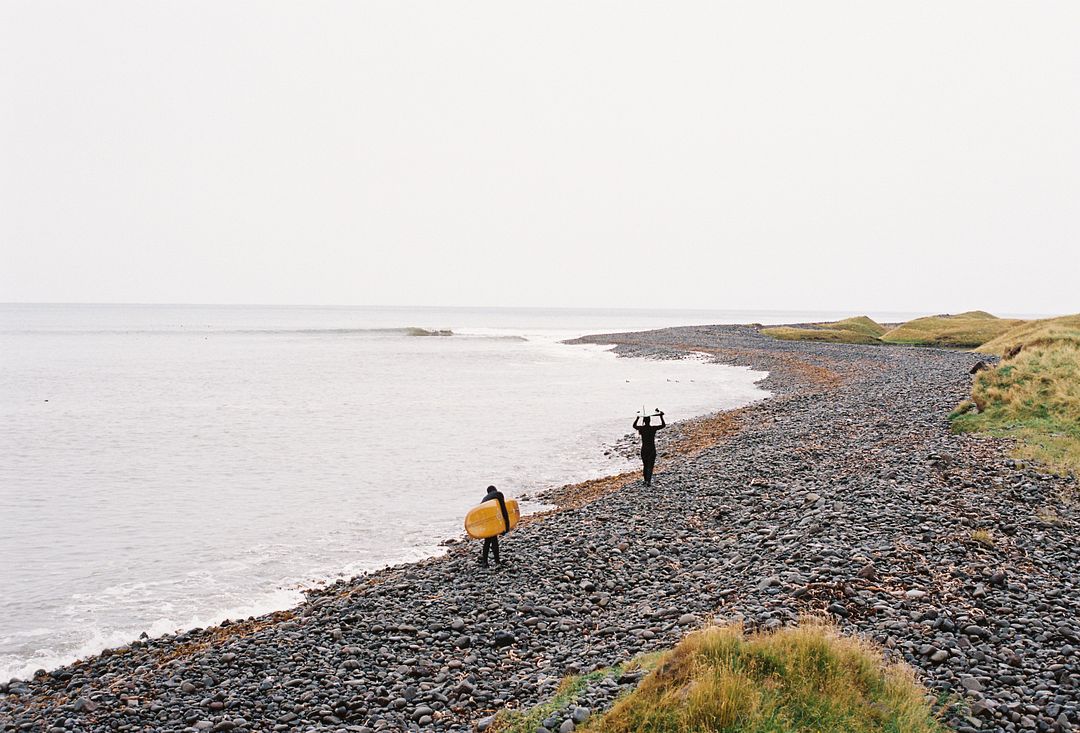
(491, 544)
(648, 443)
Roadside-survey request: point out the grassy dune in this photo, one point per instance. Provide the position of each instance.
(857, 330)
(1032, 396)
(963, 330)
(1045, 330)
(798, 679)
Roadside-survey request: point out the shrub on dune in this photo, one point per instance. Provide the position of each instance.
(809, 678)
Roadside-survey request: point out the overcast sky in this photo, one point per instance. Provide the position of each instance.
(914, 156)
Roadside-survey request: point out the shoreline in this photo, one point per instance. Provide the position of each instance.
(767, 511)
(176, 583)
(435, 548)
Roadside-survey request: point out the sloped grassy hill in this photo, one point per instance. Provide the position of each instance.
(1045, 330)
(857, 330)
(963, 330)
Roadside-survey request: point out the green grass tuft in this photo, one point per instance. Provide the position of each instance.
(722, 680)
(527, 721)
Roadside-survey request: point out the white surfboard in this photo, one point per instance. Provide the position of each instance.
(648, 413)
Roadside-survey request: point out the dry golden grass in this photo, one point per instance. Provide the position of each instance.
(983, 537)
(857, 330)
(963, 330)
(1032, 333)
(723, 680)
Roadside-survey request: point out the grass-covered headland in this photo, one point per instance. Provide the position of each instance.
(962, 330)
(1033, 394)
(724, 680)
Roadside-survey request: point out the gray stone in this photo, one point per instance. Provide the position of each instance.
(85, 705)
(971, 684)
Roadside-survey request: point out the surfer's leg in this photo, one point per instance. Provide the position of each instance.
(495, 549)
(487, 549)
(648, 460)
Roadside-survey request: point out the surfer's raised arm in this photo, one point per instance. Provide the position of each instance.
(635, 421)
(662, 423)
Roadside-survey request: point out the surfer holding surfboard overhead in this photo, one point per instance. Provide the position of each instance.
(648, 440)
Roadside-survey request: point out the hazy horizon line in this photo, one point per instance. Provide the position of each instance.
(853, 311)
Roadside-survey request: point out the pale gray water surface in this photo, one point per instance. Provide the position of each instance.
(163, 467)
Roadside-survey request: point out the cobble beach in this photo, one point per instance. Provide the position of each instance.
(844, 495)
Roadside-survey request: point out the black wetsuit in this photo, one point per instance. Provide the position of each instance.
(648, 447)
(491, 544)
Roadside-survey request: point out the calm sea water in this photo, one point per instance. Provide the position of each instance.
(163, 467)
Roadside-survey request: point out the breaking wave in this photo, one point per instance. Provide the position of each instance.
(415, 331)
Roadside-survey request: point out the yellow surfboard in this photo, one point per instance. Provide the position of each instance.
(486, 520)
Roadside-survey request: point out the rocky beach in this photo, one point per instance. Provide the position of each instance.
(844, 495)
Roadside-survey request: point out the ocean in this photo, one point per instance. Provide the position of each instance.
(164, 467)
